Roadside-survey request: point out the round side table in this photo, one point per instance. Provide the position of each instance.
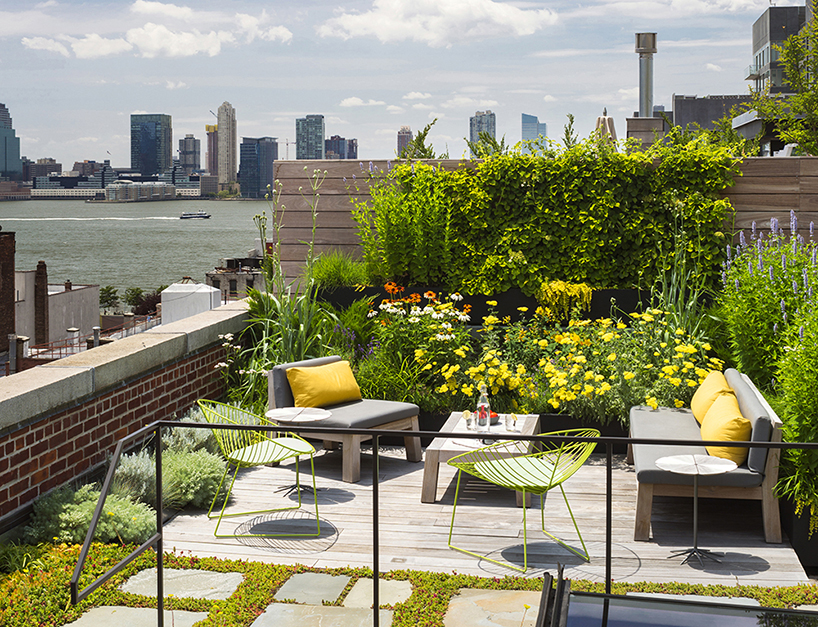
(696, 465)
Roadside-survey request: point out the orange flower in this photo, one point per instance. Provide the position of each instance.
(414, 298)
(391, 287)
(466, 308)
(430, 295)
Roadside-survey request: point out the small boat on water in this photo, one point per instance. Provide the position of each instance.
(189, 215)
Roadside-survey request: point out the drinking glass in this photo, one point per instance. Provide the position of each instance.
(470, 420)
(511, 422)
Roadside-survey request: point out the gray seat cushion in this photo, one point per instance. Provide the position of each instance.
(366, 414)
(676, 424)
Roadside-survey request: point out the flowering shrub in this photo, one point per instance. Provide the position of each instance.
(766, 283)
(597, 370)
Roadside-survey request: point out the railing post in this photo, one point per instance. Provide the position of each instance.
(608, 514)
(160, 571)
(13, 352)
(375, 538)
(96, 336)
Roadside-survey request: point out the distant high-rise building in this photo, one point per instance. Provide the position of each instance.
(212, 156)
(228, 144)
(88, 168)
(11, 166)
(532, 128)
(337, 147)
(481, 122)
(258, 155)
(309, 137)
(151, 143)
(190, 154)
(404, 138)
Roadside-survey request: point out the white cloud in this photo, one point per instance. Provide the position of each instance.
(354, 101)
(93, 46)
(160, 8)
(394, 109)
(580, 52)
(335, 120)
(437, 22)
(45, 5)
(43, 43)
(138, 112)
(253, 27)
(704, 44)
(432, 115)
(177, 85)
(466, 101)
(154, 40)
(92, 140)
(712, 67)
(422, 105)
(549, 98)
(416, 95)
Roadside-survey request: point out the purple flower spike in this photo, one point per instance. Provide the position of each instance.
(353, 177)
(753, 230)
(361, 163)
(794, 245)
(811, 229)
(738, 285)
(741, 239)
(345, 180)
(783, 307)
(750, 266)
(784, 262)
(801, 332)
(813, 255)
(388, 166)
(371, 167)
(775, 328)
(729, 252)
(794, 287)
(793, 222)
(806, 279)
(771, 273)
(785, 318)
(760, 263)
(723, 278)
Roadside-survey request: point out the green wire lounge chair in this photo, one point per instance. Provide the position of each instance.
(245, 448)
(511, 464)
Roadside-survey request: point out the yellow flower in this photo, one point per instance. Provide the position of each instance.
(491, 320)
(652, 402)
(491, 303)
(612, 357)
(678, 403)
(675, 381)
(706, 346)
(680, 331)
(663, 344)
(627, 375)
(523, 309)
(621, 325)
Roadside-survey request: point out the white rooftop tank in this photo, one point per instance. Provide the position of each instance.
(182, 300)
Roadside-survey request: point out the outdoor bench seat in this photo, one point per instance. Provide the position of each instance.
(361, 414)
(754, 479)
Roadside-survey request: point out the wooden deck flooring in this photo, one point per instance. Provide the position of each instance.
(414, 535)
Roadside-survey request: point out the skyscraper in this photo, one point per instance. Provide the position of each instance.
(228, 144)
(309, 137)
(151, 143)
(256, 170)
(11, 166)
(481, 122)
(404, 138)
(532, 128)
(337, 147)
(212, 156)
(190, 154)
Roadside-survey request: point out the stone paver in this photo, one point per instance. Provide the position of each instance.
(490, 608)
(200, 584)
(108, 616)
(390, 592)
(312, 588)
(290, 615)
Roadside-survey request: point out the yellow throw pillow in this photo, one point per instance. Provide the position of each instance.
(713, 386)
(724, 421)
(319, 386)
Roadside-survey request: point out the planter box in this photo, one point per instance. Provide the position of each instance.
(508, 302)
(562, 422)
(797, 529)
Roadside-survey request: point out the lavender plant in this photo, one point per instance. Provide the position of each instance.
(768, 281)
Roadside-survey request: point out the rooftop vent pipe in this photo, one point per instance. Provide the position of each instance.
(646, 47)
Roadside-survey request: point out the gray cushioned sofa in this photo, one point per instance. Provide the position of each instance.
(363, 414)
(755, 479)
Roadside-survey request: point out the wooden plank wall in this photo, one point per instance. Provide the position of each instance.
(772, 187)
(769, 187)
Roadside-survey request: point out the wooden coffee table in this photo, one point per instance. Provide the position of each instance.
(442, 450)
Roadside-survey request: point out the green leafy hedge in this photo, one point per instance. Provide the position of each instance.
(587, 214)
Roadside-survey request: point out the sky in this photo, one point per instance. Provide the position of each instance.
(71, 73)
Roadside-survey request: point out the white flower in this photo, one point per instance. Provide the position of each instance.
(372, 314)
(428, 310)
(437, 316)
(464, 317)
(446, 325)
(219, 365)
(414, 319)
(455, 297)
(415, 310)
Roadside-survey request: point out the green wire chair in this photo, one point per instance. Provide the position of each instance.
(511, 464)
(246, 448)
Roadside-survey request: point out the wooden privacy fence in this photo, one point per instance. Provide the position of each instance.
(769, 187)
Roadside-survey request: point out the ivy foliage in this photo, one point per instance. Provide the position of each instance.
(584, 213)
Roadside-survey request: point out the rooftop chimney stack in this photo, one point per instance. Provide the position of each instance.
(646, 47)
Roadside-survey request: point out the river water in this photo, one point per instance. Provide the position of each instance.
(142, 245)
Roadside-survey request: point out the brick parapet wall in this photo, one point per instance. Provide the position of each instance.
(61, 429)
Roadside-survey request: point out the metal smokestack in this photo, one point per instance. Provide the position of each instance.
(646, 47)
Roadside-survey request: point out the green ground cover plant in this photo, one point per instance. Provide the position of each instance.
(40, 595)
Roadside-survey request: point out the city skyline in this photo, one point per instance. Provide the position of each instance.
(74, 73)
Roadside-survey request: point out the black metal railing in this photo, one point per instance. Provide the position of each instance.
(154, 431)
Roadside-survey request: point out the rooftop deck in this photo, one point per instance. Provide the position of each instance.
(413, 535)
